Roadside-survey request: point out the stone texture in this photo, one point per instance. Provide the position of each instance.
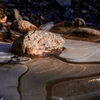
(3, 20)
(88, 31)
(47, 26)
(78, 22)
(23, 26)
(17, 16)
(13, 35)
(84, 11)
(1, 36)
(38, 43)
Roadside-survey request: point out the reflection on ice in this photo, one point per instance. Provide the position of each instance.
(9, 74)
(57, 98)
(94, 80)
(1, 98)
(81, 51)
(5, 54)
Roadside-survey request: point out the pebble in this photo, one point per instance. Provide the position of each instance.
(84, 11)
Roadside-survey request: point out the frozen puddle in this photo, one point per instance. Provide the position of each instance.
(5, 54)
(45, 73)
(81, 51)
(9, 75)
(51, 78)
(82, 89)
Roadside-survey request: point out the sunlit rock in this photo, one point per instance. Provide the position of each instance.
(88, 31)
(17, 16)
(9, 76)
(1, 36)
(38, 43)
(47, 26)
(78, 22)
(3, 19)
(23, 26)
(13, 35)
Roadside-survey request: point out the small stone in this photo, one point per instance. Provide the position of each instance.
(88, 31)
(14, 35)
(61, 24)
(84, 11)
(1, 36)
(17, 16)
(4, 28)
(37, 43)
(26, 18)
(14, 60)
(4, 25)
(47, 26)
(78, 22)
(8, 23)
(3, 19)
(10, 5)
(90, 7)
(23, 26)
(42, 17)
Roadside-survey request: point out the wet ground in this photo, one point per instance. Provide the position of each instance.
(72, 75)
(54, 77)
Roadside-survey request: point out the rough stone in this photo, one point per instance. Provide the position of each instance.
(26, 18)
(4, 28)
(87, 31)
(84, 11)
(90, 7)
(14, 34)
(23, 26)
(47, 26)
(1, 36)
(78, 22)
(8, 23)
(10, 5)
(3, 19)
(38, 43)
(17, 16)
(4, 25)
